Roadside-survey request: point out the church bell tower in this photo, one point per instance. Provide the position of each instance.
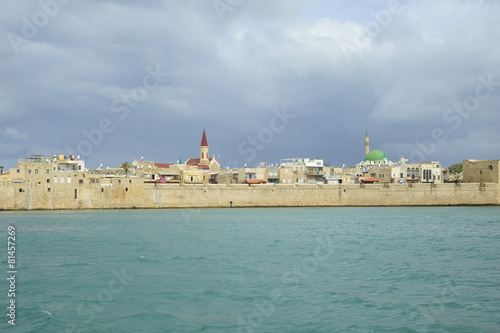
(204, 150)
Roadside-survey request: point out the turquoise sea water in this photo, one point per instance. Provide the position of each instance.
(255, 270)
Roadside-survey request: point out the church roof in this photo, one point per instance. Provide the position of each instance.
(375, 155)
(204, 142)
(163, 165)
(196, 161)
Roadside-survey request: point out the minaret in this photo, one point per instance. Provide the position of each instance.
(367, 143)
(204, 150)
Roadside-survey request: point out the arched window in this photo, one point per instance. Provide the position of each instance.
(490, 167)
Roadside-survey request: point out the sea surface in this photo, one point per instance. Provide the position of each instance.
(399, 269)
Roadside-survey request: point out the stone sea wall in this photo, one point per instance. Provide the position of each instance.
(133, 193)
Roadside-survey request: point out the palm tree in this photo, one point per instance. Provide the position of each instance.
(1, 168)
(126, 166)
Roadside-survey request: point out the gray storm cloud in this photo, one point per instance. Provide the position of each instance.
(399, 69)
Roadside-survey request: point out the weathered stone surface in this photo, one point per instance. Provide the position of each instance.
(133, 193)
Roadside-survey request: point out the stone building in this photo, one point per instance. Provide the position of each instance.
(306, 170)
(38, 167)
(481, 171)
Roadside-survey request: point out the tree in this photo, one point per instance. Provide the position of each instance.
(126, 166)
(1, 168)
(455, 168)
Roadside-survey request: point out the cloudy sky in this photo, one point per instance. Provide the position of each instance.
(114, 80)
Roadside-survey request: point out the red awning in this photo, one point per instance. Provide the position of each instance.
(256, 181)
(369, 180)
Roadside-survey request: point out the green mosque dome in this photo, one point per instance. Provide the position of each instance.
(375, 155)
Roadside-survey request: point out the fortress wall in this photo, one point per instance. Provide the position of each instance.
(7, 196)
(317, 195)
(130, 193)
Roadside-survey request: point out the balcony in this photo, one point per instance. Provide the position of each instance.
(314, 173)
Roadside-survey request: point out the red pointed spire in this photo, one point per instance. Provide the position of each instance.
(204, 142)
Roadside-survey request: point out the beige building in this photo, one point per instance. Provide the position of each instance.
(383, 175)
(47, 173)
(287, 175)
(431, 172)
(481, 171)
(306, 170)
(343, 175)
(37, 167)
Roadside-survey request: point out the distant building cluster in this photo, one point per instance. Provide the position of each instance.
(375, 168)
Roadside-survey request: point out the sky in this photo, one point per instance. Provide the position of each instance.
(111, 81)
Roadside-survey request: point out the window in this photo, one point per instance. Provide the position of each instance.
(490, 167)
(48, 190)
(102, 189)
(80, 181)
(126, 189)
(76, 193)
(55, 179)
(20, 190)
(48, 181)
(47, 171)
(18, 171)
(29, 170)
(36, 171)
